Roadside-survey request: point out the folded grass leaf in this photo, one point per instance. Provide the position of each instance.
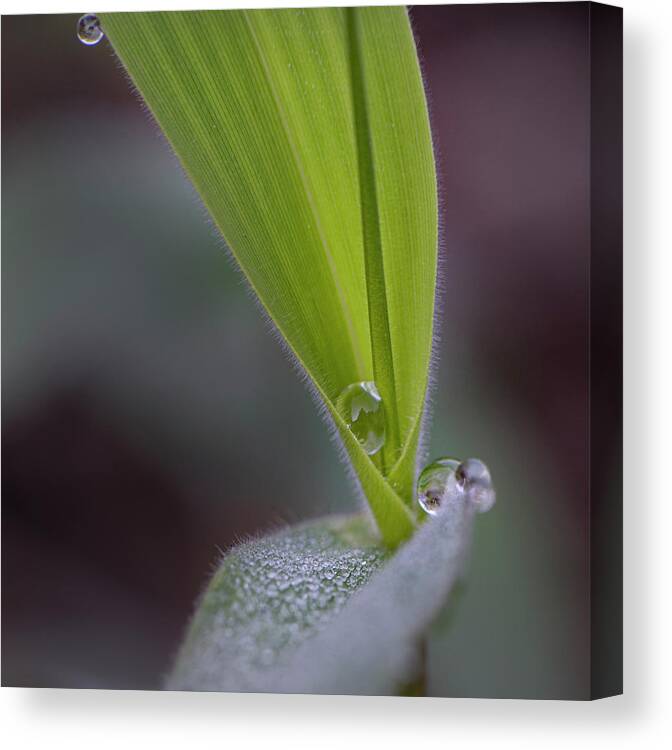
(306, 134)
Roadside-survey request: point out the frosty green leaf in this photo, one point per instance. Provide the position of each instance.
(268, 596)
(321, 609)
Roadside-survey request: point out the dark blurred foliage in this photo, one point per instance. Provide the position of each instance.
(149, 420)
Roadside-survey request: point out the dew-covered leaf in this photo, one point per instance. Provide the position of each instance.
(268, 595)
(307, 136)
(321, 608)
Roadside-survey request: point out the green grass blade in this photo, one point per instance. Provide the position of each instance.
(405, 181)
(281, 135)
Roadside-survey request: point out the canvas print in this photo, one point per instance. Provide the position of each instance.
(311, 353)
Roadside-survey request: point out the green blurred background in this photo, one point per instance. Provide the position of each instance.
(150, 420)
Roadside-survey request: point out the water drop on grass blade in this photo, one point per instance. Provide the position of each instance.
(362, 409)
(88, 30)
(449, 477)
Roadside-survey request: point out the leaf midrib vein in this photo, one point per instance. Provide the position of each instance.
(376, 285)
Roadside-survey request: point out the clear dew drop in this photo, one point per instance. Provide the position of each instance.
(89, 31)
(434, 482)
(362, 409)
(446, 476)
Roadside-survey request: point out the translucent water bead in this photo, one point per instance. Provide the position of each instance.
(446, 476)
(362, 408)
(434, 481)
(88, 30)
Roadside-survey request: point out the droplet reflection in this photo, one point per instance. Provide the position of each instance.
(448, 477)
(434, 482)
(362, 409)
(89, 31)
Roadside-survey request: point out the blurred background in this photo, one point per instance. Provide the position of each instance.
(149, 420)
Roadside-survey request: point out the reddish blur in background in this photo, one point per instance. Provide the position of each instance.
(149, 420)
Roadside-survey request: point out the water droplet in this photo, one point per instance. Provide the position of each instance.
(88, 30)
(433, 483)
(470, 478)
(362, 409)
(474, 478)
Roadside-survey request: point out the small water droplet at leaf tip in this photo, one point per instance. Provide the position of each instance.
(89, 31)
